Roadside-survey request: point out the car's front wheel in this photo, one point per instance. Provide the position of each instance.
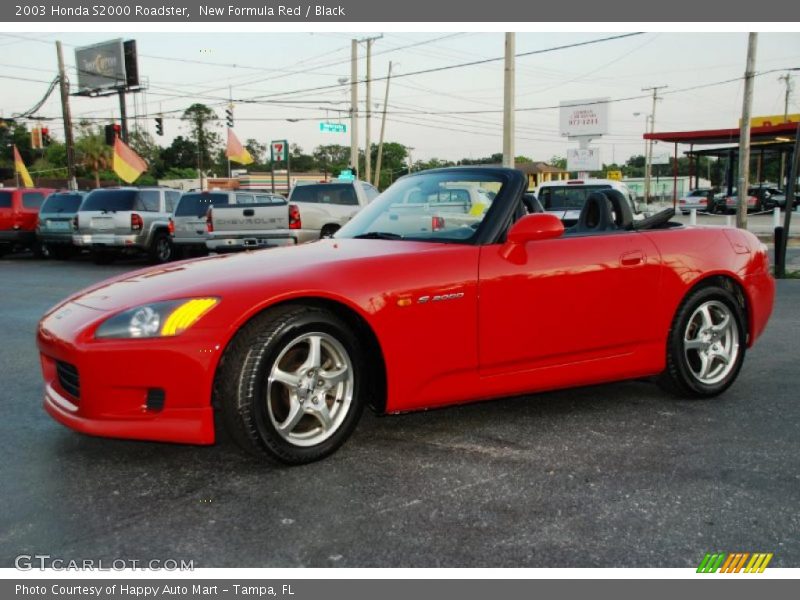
(706, 343)
(290, 384)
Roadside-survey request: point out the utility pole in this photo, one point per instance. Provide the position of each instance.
(72, 183)
(648, 160)
(787, 80)
(368, 115)
(354, 106)
(508, 102)
(383, 128)
(744, 135)
(123, 115)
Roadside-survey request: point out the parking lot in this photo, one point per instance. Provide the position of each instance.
(618, 475)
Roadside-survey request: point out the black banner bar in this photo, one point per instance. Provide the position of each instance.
(350, 11)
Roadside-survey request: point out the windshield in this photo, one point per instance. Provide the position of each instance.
(196, 205)
(62, 203)
(444, 206)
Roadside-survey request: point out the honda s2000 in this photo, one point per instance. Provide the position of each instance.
(441, 291)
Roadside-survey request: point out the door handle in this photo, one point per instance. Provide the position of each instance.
(632, 258)
(249, 212)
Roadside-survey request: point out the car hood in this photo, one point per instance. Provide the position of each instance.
(220, 274)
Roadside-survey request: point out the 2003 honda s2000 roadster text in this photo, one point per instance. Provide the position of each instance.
(441, 291)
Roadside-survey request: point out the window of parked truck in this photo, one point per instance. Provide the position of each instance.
(326, 193)
(567, 197)
(32, 199)
(148, 201)
(197, 204)
(61, 203)
(5, 199)
(172, 200)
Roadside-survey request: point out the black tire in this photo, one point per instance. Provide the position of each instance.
(249, 402)
(681, 376)
(103, 257)
(161, 249)
(328, 231)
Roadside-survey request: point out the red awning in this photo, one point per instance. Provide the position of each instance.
(768, 133)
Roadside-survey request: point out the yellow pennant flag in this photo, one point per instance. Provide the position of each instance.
(236, 151)
(20, 168)
(127, 164)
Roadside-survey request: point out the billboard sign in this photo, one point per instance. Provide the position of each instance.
(101, 66)
(583, 117)
(583, 159)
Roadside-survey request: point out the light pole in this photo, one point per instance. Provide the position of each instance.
(647, 120)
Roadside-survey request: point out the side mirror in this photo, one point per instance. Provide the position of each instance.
(539, 226)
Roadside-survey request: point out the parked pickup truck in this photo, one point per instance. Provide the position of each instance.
(320, 209)
(256, 220)
(188, 228)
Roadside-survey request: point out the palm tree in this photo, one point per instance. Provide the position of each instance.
(93, 153)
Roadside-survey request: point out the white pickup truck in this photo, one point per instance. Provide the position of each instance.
(319, 209)
(260, 223)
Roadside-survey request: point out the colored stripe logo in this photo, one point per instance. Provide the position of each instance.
(736, 562)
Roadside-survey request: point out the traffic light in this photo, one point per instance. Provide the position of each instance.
(112, 133)
(159, 125)
(229, 116)
(45, 136)
(36, 138)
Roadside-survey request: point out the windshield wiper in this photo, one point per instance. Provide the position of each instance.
(378, 235)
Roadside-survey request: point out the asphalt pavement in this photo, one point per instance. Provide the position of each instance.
(618, 475)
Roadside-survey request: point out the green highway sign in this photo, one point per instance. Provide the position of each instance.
(332, 127)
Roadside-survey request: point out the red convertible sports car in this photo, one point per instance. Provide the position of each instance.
(443, 290)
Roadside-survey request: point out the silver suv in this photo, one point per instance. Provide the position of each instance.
(128, 220)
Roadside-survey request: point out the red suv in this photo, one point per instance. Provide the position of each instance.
(19, 211)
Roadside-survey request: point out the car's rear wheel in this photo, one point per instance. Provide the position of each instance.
(290, 384)
(706, 343)
(161, 249)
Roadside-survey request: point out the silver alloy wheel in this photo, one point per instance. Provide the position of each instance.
(711, 342)
(310, 389)
(163, 250)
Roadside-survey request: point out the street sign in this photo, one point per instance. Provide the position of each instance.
(346, 175)
(614, 175)
(332, 127)
(279, 150)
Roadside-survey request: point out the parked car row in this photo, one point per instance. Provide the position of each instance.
(165, 224)
(759, 198)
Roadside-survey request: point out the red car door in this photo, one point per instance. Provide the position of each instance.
(566, 311)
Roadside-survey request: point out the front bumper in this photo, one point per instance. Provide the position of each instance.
(118, 380)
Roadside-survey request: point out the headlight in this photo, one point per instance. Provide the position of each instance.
(159, 319)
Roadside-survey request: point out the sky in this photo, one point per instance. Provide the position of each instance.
(280, 70)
